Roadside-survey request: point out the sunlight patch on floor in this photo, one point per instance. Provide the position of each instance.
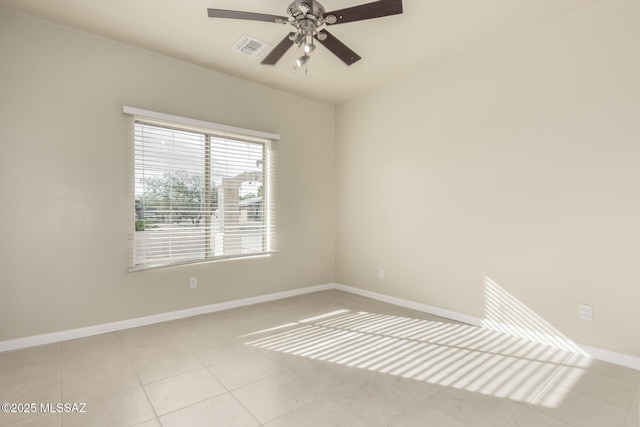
(447, 354)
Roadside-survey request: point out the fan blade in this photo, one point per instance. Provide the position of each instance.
(251, 16)
(376, 9)
(277, 52)
(338, 48)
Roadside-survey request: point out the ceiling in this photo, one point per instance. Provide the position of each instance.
(428, 32)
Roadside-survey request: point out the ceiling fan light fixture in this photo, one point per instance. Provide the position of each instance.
(299, 39)
(302, 61)
(308, 48)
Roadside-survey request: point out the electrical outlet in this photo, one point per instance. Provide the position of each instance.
(586, 312)
(381, 274)
(193, 283)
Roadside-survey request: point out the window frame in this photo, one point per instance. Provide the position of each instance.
(209, 131)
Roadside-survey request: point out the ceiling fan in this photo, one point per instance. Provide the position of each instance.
(309, 19)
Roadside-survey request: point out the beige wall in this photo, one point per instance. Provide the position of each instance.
(501, 185)
(516, 168)
(63, 180)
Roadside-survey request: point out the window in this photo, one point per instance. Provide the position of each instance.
(202, 191)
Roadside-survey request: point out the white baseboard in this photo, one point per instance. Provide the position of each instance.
(594, 352)
(452, 315)
(54, 337)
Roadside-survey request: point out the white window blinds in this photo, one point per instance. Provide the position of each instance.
(202, 191)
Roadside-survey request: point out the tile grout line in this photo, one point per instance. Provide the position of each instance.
(233, 396)
(229, 392)
(513, 416)
(203, 366)
(138, 378)
(595, 373)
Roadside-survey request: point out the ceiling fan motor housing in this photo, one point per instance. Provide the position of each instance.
(306, 9)
(308, 18)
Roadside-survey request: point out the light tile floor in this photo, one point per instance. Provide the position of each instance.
(323, 359)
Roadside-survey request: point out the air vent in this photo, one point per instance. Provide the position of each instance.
(250, 46)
